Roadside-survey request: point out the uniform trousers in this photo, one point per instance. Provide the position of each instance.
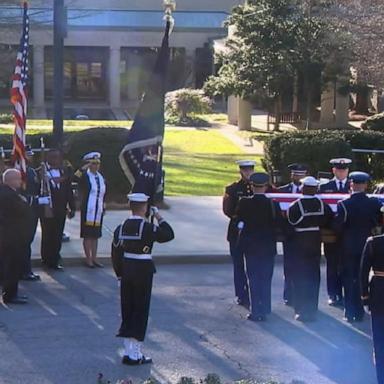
(306, 283)
(51, 238)
(352, 298)
(135, 295)
(332, 253)
(378, 344)
(288, 271)
(12, 261)
(259, 260)
(239, 276)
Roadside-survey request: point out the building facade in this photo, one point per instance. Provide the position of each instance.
(110, 48)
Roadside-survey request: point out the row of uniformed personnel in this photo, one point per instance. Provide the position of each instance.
(252, 238)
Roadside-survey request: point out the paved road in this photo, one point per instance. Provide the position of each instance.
(66, 333)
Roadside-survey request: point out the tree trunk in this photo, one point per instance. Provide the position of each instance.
(308, 104)
(361, 107)
(278, 110)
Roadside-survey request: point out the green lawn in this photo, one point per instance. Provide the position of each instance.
(199, 163)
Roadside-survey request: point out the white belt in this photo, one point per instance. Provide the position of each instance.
(135, 256)
(309, 229)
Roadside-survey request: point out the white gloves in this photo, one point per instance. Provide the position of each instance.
(46, 200)
(240, 225)
(154, 210)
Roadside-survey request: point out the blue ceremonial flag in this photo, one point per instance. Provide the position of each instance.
(141, 158)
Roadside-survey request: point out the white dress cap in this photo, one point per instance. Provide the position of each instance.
(92, 156)
(138, 197)
(246, 163)
(310, 181)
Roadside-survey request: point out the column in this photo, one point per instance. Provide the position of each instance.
(233, 110)
(133, 75)
(327, 105)
(38, 76)
(190, 63)
(114, 77)
(245, 115)
(342, 110)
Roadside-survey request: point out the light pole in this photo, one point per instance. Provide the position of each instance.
(59, 32)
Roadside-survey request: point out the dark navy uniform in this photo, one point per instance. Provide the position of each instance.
(260, 216)
(233, 193)
(307, 215)
(332, 251)
(131, 256)
(287, 249)
(372, 293)
(356, 217)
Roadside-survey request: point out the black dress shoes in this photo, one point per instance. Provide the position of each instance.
(335, 301)
(31, 277)
(305, 318)
(16, 300)
(57, 267)
(144, 360)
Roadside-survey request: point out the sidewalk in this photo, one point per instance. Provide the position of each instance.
(199, 225)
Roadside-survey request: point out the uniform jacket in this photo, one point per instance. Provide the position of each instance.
(288, 188)
(356, 217)
(261, 217)
(373, 258)
(331, 187)
(233, 193)
(137, 236)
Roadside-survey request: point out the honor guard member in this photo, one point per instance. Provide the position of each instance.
(372, 295)
(339, 184)
(31, 192)
(259, 218)
(356, 218)
(132, 261)
(298, 171)
(307, 216)
(233, 193)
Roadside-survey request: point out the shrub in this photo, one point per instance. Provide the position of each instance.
(374, 123)
(316, 148)
(182, 105)
(6, 118)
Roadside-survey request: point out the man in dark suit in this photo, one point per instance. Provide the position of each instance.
(356, 218)
(233, 193)
(63, 205)
(339, 184)
(298, 171)
(372, 295)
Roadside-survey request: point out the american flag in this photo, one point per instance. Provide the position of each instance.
(286, 199)
(19, 95)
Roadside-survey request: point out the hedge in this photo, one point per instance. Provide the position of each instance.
(108, 141)
(316, 148)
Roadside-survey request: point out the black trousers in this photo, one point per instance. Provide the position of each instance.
(51, 238)
(27, 265)
(352, 298)
(12, 262)
(332, 253)
(306, 283)
(259, 266)
(378, 344)
(288, 271)
(239, 276)
(135, 294)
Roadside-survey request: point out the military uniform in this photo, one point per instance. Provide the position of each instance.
(299, 170)
(356, 217)
(233, 193)
(132, 262)
(307, 216)
(372, 293)
(259, 217)
(332, 251)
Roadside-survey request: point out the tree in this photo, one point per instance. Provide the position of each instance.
(274, 40)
